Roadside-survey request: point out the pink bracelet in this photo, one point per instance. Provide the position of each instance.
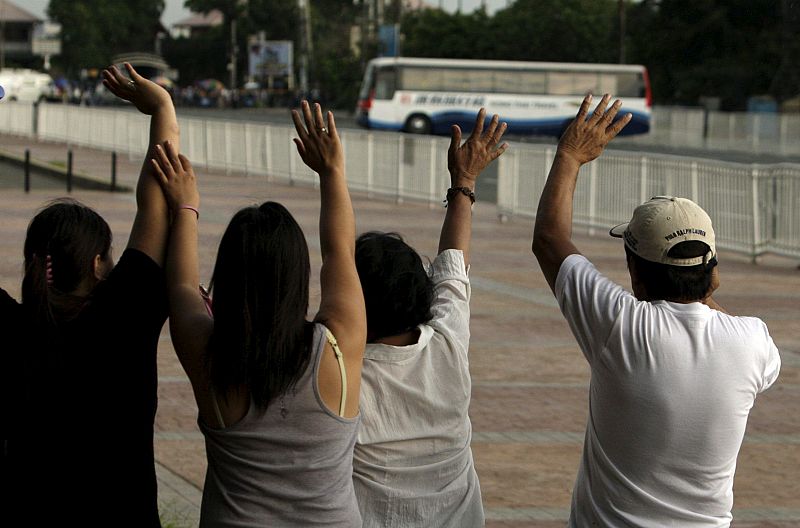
(191, 208)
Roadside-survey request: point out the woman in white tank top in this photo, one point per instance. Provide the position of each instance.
(277, 395)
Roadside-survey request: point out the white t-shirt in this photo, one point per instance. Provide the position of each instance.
(672, 386)
(412, 465)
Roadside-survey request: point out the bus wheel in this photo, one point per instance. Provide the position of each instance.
(418, 124)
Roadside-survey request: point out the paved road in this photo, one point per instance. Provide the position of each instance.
(530, 382)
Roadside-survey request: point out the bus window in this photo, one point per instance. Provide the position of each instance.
(423, 79)
(630, 85)
(386, 83)
(463, 80)
(519, 82)
(571, 83)
(608, 85)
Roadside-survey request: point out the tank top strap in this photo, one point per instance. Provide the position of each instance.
(340, 360)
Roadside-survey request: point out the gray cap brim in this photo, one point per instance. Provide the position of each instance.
(619, 230)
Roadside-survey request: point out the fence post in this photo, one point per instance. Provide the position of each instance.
(27, 170)
(433, 175)
(695, 189)
(268, 151)
(756, 218)
(643, 181)
(592, 197)
(370, 163)
(400, 171)
(69, 171)
(114, 171)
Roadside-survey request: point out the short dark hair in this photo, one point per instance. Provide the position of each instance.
(675, 283)
(398, 292)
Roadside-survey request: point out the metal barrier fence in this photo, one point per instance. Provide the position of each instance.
(401, 166)
(17, 119)
(755, 209)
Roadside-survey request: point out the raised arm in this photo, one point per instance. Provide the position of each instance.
(582, 141)
(342, 304)
(189, 321)
(150, 227)
(465, 162)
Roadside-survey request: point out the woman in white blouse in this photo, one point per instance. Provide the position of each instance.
(413, 463)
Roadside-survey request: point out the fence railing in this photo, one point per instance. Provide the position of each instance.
(17, 119)
(756, 209)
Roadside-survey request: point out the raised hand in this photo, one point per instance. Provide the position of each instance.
(176, 176)
(584, 139)
(318, 143)
(145, 95)
(465, 162)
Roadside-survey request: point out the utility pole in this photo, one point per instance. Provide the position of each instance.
(306, 48)
(2, 34)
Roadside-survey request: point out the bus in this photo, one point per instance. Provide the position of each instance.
(426, 96)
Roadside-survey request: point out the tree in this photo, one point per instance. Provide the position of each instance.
(93, 31)
(730, 49)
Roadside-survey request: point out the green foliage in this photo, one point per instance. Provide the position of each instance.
(92, 31)
(556, 30)
(730, 49)
(200, 57)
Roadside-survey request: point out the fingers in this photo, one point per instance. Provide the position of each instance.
(301, 148)
(164, 163)
(599, 110)
(308, 118)
(172, 155)
(158, 173)
(617, 127)
(584, 109)
(185, 163)
(495, 139)
(455, 137)
(612, 112)
(492, 126)
(478, 129)
(499, 152)
(332, 126)
(298, 125)
(319, 123)
(133, 73)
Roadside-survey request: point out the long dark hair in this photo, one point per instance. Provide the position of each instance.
(398, 292)
(71, 235)
(261, 336)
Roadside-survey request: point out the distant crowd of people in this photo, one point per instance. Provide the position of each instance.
(359, 416)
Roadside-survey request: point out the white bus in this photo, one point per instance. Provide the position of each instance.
(425, 96)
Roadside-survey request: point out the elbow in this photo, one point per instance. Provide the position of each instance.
(540, 242)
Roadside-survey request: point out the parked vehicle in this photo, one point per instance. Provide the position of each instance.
(26, 85)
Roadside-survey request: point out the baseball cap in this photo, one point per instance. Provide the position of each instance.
(661, 223)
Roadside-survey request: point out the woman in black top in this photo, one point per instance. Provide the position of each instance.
(78, 368)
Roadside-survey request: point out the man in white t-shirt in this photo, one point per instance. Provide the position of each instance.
(673, 375)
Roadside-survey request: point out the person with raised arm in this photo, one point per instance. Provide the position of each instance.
(277, 395)
(413, 462)
(79, 363)
(673, 375)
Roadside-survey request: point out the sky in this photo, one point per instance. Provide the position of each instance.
(175, 11)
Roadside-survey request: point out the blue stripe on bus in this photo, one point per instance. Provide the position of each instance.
(441, 122)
